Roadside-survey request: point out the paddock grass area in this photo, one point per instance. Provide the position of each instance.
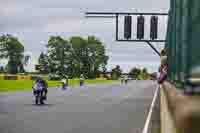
(16, 85)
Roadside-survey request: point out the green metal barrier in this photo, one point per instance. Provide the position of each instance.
(183, 36)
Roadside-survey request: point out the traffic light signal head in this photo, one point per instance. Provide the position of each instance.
(140, 27)
(127, 27)
(154, 28)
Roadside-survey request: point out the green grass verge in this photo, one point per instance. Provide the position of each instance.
(15, 85)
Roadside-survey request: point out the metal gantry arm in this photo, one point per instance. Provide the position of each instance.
(155, 50)
(116, 16)
(123, 13)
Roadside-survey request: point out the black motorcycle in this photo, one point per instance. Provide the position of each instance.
(81, 83)
(40, 94)
(40, 97)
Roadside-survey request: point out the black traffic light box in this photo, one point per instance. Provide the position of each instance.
(140, 27)
(154, 28)
(127, 27)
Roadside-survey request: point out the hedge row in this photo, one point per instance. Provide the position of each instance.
(17, 77)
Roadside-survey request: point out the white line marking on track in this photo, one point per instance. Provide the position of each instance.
(146, 126)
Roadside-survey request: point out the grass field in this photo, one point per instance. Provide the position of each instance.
(15, 85)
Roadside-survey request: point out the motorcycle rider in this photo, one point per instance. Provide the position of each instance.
(44, 90)
(122, 79)
(40, 90)
(82, 78)
(126, 79)
(64, 82)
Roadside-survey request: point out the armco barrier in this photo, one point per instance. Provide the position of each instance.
(10, 77)
(23, 77)
(184, 111)
(20, 77)
(167, 123)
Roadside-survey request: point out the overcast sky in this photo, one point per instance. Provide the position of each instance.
(33, 21)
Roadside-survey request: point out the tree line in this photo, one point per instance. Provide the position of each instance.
(73, 56)
(12, 50)
(135, 73)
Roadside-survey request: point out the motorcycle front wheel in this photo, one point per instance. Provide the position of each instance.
(41, 101)
(36, 100)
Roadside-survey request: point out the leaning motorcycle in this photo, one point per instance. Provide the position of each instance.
(39, 97)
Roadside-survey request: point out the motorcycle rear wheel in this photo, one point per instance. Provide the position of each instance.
(36, 101)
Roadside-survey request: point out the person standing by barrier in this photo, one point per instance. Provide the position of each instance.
(45, 88)
(163, 67)
(82, 79)
(126, 79)
(65, 82)
(40, 90)
(122, 79)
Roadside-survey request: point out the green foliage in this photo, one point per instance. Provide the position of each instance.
(143, 76)
(76, 56)
(179, 84)
(2, 69)
(116, 72)
(89, 55)
(58, 54)
(43, 63)
(135, 72)
(16, 85)
(144, 70)
(13, 50)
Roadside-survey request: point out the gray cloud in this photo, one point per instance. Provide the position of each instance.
(40, 19)
(92, 4)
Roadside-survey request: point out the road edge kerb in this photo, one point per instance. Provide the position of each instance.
(184, 110)
(167, 123)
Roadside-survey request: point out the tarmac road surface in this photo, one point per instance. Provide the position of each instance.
(100, 108)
